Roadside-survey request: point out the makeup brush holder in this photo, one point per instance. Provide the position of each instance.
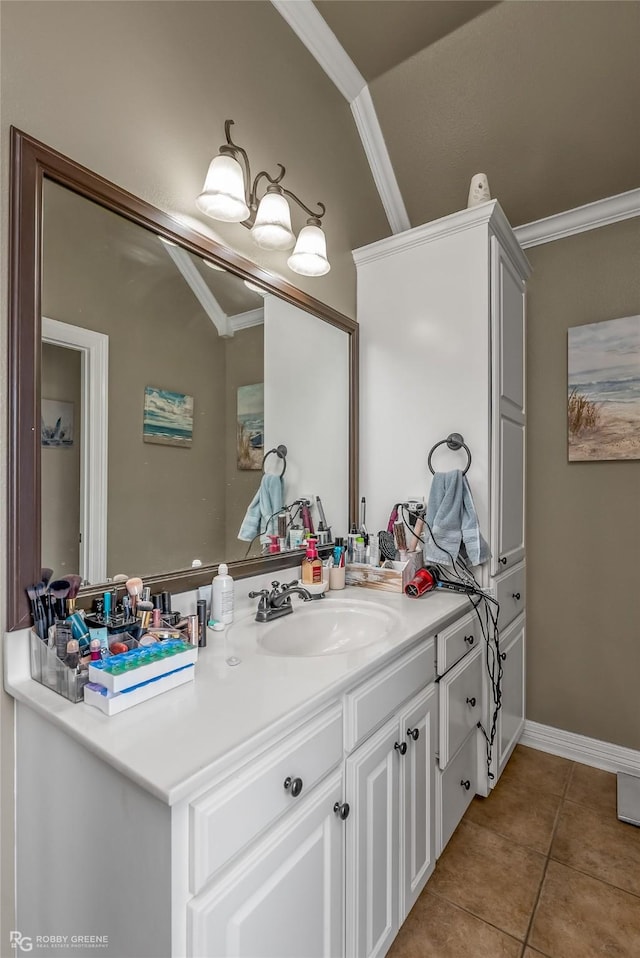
(391, 576)
(52, 672)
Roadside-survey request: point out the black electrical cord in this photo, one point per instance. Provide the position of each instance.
(273, 515)
(488, 627)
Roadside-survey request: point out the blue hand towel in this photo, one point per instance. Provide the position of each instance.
(452, 517)
(263, 508)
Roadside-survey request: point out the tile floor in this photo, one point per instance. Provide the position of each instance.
(542, 867)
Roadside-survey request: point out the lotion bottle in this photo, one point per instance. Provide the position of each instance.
(311, 573)
(222, 595)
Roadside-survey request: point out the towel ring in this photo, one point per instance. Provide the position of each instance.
(453, 441)
(281, 453)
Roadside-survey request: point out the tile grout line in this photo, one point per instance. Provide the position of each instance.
(547, 859)
(483, 921)
(579, 871)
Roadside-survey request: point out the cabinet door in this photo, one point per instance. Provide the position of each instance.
(418, 728)
(511, 714)
(508, 419)
(372, 775)
(285, 899)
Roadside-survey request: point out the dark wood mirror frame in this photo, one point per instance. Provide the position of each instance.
(31, 163)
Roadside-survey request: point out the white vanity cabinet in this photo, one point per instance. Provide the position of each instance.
(283, 899)
(441, 310)
(390, 785)
(314, 839)
(460, 664)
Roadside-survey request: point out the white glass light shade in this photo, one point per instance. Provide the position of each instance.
(272, 228)
(309, 258)
(223, 194)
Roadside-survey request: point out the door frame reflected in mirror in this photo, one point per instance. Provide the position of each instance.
(31, 163)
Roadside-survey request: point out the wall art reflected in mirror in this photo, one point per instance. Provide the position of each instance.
(179, 373)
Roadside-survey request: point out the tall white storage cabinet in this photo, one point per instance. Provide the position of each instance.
(441, 310)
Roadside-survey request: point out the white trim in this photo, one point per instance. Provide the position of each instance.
(377, 154)
(310, 27)
(321, 42)
(579, 748)
(199, 288)
(94, 440)
(592, 216)
(252, 317)
(489, 214)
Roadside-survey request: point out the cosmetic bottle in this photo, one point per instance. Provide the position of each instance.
(222, 595)
(311, 565)
(295, 537)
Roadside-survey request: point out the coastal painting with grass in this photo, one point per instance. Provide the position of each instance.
(250, 429)
(604, 390)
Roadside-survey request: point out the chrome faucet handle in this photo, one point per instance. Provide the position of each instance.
(263, 592)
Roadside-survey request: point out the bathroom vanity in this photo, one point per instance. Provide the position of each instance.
(288, 806)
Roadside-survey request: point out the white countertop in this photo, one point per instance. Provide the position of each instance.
(175, 743)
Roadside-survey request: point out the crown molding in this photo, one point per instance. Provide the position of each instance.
(320, 40)
(579, 748)
(591, 216)
(252, 317)
(311, 28)
(375, 148)
(488, 214)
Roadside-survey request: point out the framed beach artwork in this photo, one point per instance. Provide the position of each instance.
(250, 426)
(168, 417)
(56, 423)
(604, 390)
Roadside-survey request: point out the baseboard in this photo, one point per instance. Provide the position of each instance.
(579, 748)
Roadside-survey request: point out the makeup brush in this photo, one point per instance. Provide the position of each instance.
(134, 588)
(45, 575)
(74, 581)
(144, 610)
(37, 612)
(44, 603)
(58, 591)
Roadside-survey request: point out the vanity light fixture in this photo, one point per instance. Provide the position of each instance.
(229, 194)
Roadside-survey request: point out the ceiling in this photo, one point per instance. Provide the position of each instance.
(379, 34)
(542, 97)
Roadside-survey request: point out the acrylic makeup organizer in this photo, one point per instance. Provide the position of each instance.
(49, 670)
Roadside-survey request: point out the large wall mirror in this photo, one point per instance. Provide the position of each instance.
(156, 378)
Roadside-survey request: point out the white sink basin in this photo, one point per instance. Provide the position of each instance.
(328, 627)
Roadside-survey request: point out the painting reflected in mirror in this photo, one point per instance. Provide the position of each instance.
(133, 339)
(202, 375)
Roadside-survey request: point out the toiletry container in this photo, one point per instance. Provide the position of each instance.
(311, 568)
(222, 595)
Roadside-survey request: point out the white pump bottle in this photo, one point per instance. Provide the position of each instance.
(222, 595)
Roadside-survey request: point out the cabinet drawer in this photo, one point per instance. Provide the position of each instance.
(455, 789)
(371, 703)
(231, 815)
(460, 704)
(511, 594)
(453, 643)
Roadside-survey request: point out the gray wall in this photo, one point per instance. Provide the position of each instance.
(139, 93)
(244, 365)
(60, 467)
(166, 505)
(583, 519)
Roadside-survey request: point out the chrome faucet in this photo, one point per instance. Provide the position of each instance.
(277, 602)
